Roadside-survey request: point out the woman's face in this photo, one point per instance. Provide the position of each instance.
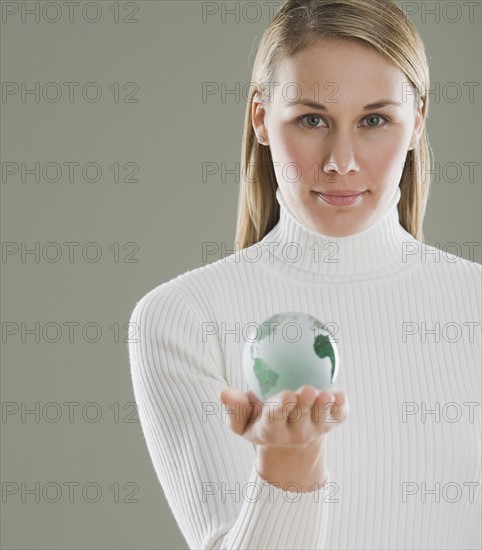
(368, 144)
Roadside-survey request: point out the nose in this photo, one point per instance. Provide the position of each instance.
(340, 155)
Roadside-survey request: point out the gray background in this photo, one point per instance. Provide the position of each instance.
(168, 214)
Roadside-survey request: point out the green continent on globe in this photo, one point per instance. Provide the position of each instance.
(266, 377)
(323, 348)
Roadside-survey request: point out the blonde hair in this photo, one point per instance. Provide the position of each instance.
(377, 24)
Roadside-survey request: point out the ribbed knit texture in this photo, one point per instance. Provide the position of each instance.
(401, 474)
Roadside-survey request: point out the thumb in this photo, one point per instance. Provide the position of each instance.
(232, 398)
(237, 409)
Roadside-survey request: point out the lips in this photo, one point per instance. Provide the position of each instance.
(341, 193)
(342, 198)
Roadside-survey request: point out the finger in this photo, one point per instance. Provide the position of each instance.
(281, 405)
(336, 408)
(340, 396)
(321, 409)
(255, 408)
(237, 409)
(230, 396)
(271, 429)
(341, 407)
(306, 398)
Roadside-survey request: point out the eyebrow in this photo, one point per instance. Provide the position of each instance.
(321, 107)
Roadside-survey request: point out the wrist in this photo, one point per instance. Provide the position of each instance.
(311, 451)
(283, 466)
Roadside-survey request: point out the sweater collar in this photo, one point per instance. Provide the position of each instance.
(379, 247)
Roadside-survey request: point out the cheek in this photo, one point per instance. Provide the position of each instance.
(291, 152)
(387, 161)
(299, 148)
(286, 143)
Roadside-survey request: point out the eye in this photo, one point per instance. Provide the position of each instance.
(309, 127)
(386, 122)
(377, 127)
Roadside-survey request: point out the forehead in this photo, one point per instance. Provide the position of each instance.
(341, 71)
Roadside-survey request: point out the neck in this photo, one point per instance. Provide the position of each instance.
(379, 248)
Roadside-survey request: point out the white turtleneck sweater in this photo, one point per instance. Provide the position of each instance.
(404, 468)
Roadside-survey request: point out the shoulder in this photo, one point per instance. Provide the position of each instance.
(197, 290)
(452, 273)
(453, 264)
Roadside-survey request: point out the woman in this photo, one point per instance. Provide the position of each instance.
(329, 223)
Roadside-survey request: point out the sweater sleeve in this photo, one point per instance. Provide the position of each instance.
(208, 473)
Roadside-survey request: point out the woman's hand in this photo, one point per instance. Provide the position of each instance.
(288, 419)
